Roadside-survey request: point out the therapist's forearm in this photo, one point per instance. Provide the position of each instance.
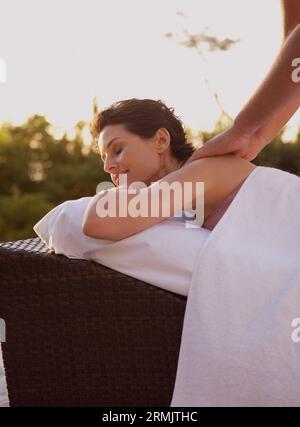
(278, 96)
(267, 133)
(291, 15)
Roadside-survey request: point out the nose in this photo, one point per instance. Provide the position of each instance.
(109, 165)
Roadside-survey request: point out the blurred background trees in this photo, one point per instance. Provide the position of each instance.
(39, 171)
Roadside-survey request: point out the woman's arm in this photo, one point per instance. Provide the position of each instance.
(220, 176)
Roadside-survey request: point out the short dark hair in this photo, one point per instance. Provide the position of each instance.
(144, 117)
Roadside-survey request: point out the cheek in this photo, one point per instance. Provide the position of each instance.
(141, 160)
(147, 171)
(149, 165)
(142, 164)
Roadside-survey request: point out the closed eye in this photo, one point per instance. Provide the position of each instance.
(116, 152)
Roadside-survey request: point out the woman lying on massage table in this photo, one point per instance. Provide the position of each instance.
(143, 141)
(165, 252)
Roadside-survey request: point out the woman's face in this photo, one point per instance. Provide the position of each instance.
(126, 153)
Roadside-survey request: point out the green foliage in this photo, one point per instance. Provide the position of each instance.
(281, 156)
(38, 171)
(19, 213)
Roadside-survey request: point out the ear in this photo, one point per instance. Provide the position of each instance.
(163, 140)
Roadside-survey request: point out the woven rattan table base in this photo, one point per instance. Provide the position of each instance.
(81, 334)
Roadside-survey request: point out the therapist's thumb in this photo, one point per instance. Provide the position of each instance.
(210, 149)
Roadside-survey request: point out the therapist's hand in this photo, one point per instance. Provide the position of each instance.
(232, 140)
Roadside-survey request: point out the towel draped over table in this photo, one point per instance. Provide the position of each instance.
(237, 346)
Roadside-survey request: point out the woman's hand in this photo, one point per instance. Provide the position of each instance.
(233, 141)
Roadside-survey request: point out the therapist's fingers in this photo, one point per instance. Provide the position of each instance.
(224, 143)
(255, 147)
(211, 148)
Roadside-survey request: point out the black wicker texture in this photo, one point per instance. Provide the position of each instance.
(81, 334)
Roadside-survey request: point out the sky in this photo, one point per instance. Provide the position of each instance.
(60, 54)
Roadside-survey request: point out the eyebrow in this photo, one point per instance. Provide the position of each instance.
(110, 142)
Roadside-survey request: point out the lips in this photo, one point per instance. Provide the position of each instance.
(115, 177)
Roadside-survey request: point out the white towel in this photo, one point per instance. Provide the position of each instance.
(162, 255)
(4, 401)
(237, 345)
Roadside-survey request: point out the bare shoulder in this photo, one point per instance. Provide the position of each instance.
(227, 161)
(221, 175)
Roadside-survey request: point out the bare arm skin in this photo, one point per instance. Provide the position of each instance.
(291, 15)
(278, 96)
(220, 176)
